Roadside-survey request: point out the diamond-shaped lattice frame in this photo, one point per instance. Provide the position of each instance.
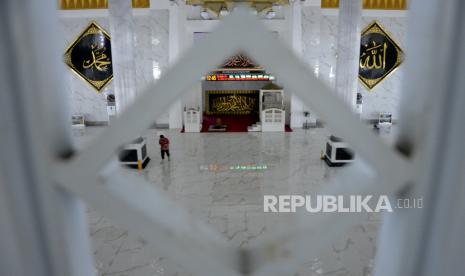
(145, 210)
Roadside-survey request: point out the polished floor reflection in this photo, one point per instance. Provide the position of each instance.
(221, 179)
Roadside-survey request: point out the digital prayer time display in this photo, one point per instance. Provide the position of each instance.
(239, 77)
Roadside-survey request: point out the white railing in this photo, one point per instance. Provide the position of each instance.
(273, 119)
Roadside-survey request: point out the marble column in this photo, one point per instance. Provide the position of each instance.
(177, 35)
(293, 104)
(348, 50)
(122, 51)
(310, 42)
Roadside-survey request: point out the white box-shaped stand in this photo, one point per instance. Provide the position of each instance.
(134, 154)
(337, 153)
(192, 121)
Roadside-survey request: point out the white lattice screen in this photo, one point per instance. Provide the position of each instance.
(43, 223)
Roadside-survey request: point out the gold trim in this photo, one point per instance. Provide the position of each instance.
(71, 67)
(400, 55)
(85, 29)
(97, 4)
(329, 4)
(370, 4)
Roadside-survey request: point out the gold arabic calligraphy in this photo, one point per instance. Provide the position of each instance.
(377, 55)
(99, 59)
(233, 103)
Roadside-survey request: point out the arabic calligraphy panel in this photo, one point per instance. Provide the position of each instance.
(232, 102)
(380, 55)
(89, 56)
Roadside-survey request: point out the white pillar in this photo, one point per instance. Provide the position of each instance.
(295, 111)
(43, 227)
(177, 46)
(296, 31)
(348, 50)
(122, 51)
(429, 241)
(310, 36)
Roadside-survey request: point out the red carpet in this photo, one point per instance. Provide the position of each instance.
(235, 123)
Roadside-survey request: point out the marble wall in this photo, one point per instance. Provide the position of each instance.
(152, 49)
(319, 40)
(152, 46)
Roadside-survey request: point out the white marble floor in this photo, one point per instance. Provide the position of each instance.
(200, 179)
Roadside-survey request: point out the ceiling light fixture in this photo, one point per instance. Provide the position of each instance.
(270, 14)
(224, 11)
(205, 14)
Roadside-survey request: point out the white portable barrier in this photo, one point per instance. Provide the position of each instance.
(273, 119)
(134, 154)
(192, 121)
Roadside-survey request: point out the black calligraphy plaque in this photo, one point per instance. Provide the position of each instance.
(237, 102)
(89, 56)
(380, 55)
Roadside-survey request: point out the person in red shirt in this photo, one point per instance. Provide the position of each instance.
(164, 147)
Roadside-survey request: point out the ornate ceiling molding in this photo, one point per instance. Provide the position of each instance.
(96, 4)
(216, 5)
(370, 4)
